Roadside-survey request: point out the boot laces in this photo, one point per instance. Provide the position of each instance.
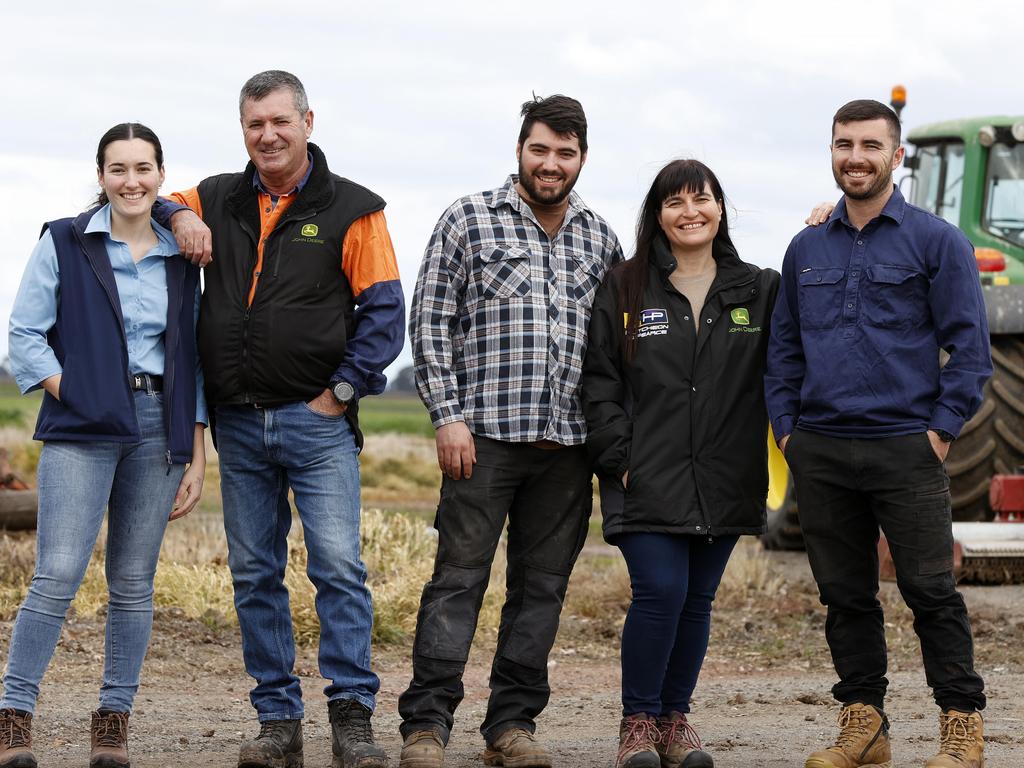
(956, 734)
(111, 729)
(853, 726)
(15, 729)
(641, 734)
(353, 722)
(275, 730)
(680, 731)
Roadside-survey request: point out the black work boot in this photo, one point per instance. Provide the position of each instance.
(352, 736)
(278, 745)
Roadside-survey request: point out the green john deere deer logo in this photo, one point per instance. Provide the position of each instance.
(741, 316)
(310, 230)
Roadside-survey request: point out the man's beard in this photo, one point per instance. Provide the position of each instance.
(545, 197)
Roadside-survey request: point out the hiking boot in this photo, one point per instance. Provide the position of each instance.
(109, 738)
(863, 741)
(680, 745)
(961, 741)
(638, 739)
(278, 745)
(16, 739)
(352, 736)
(517, 748)
(423, 749)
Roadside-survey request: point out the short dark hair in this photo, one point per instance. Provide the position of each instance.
(562, 114)
(868, 109)
(261, 85)
(124, 132)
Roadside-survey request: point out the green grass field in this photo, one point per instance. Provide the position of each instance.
(17, 410)
(402, 414)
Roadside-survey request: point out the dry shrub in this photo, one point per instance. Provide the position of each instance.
(399, 467)
(750, 573)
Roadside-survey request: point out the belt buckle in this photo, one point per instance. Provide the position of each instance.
(138, 381)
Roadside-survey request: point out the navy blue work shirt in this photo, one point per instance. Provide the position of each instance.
(859, 322)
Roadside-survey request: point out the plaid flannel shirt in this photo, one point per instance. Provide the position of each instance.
(499, 316)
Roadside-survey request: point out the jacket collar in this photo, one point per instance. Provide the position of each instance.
(729, 269)
(315, 194)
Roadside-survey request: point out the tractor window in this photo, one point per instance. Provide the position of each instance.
(925, 192)
(952, 183)
(1004, 193)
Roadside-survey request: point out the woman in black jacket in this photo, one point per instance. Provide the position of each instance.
(676, 421)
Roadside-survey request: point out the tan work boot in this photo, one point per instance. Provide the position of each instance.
(638, 740)
(680, 745)
(16, 739)
(109, 740)
(423, 749)
(517, 748)
(863, 741)
(961, 741)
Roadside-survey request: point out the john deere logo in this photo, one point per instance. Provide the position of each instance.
(310, 230)
(740, 316)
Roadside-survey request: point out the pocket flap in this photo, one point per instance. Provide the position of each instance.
(491, 255)
(888, 273)
(815, 276)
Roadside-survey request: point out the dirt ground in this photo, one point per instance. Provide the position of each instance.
(762, 701)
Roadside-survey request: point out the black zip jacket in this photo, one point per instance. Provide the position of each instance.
(687, 416)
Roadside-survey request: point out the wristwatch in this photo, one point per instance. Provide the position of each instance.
(344, 392)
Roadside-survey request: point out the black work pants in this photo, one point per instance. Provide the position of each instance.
(546, 497)
(848, 488)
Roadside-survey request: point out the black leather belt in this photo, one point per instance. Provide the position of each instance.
(146, 383)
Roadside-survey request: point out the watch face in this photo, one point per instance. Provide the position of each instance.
(344, 392)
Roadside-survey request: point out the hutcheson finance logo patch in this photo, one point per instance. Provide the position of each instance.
(653, 322)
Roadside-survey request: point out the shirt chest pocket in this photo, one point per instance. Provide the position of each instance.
(894, 296)
(821, 297)
(587, 273)
(503, 273)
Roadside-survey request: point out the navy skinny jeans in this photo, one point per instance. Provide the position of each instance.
(674, 580)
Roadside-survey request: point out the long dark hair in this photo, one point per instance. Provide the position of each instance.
(123, 132)
(678, 176)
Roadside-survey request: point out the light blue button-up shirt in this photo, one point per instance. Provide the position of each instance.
(141, 287)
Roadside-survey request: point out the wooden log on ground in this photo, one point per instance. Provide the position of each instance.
(18, 510)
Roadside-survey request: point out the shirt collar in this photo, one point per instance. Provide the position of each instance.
(895, 209)
(257, 182)
(507, 194)
(166, 245)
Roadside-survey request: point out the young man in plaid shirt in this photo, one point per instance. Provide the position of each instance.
(499, 329)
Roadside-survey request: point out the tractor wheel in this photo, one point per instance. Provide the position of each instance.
(971, 463)
(1007, 390)
(783, 530)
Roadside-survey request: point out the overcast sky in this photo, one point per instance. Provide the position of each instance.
(420, 102)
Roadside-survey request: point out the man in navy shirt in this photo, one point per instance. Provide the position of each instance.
(864, 412)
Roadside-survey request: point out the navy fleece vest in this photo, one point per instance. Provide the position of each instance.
(88, 339)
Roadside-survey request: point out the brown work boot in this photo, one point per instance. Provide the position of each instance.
(863, 741)
(517, 748)
(961, 741)
(16, 739)
(638, 740)
(352, 744)
(109, 740)
(278, 745)
(423, 749)
(680, 745)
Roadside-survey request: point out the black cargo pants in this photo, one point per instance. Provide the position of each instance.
(546, 497)
(848, 488)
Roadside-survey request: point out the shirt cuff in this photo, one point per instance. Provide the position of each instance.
(445, 413)
(945, 420)
(782, 426)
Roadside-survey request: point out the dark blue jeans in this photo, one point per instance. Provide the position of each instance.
(674, 580)
(264, 453)
(847, 489)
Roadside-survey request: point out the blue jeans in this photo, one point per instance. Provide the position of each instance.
(263, 453)
(77, 481)
(665, 637)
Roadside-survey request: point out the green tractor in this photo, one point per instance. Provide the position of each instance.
(971, 173)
